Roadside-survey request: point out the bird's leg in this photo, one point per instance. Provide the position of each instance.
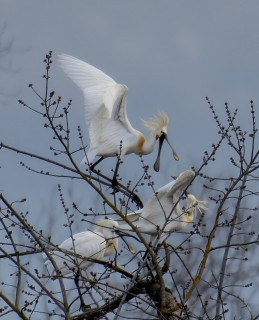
(114, 179)
(116, 185)
(92, 168)
(83, 306)
(95, 163)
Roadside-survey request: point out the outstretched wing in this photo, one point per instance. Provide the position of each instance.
(115, 100)
(180, 184)
(165, 188)
(100, 90)
(92, 81)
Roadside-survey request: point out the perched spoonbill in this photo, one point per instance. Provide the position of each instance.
(95, 244)
(110, 131)
(157, 213)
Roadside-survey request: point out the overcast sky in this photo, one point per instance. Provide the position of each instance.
(171, 55)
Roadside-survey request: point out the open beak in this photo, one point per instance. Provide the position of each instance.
(161, 141)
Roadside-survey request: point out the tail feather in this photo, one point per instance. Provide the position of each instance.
(89, 158)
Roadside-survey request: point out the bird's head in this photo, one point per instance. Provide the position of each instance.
(158, 125)
(107, 228)
(194, 205)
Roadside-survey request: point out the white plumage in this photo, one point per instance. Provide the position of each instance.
(95, 244)
(157, 212)
(106, 116)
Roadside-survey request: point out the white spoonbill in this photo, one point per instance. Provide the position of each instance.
(164, 211)
(110, 131)
(75, 251)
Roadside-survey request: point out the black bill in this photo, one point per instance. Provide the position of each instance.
(161, 141)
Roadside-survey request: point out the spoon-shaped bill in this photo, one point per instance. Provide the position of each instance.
(176, 157)
(161, 140)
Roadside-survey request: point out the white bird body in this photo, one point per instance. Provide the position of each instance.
(163, 210)
(95, 244)
(110, 131)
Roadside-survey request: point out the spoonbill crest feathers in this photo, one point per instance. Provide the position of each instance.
(158, 122)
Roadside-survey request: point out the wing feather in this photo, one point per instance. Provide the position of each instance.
(105, 107)
(87, 244)
(92, 81)
(99, 90)
(115, 100)
(181, 183)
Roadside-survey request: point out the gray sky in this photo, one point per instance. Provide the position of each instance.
(171, 55)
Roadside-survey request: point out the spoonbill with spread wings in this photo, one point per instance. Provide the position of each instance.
(110, 131)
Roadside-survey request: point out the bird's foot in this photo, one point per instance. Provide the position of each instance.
(137, 200)
(92, 168)
(115, 184)
(114, 191)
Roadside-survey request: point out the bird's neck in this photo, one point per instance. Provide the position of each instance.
(111, 246)
(150, 143)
